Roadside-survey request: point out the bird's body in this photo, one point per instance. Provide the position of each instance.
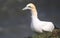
(36, 24)
(40, 26)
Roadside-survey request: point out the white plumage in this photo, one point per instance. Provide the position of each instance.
(36, 24)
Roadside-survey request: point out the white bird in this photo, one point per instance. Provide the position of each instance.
(36, 24)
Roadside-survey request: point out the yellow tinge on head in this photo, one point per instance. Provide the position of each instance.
(31, 7)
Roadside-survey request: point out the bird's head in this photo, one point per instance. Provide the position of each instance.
(29, 6)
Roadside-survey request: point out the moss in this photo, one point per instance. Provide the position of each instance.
(54, 34)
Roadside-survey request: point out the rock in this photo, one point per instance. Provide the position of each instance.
(54, 34)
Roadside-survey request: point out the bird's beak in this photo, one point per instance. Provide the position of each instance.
(24, 8)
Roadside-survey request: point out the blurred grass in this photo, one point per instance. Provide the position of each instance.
(54, 34)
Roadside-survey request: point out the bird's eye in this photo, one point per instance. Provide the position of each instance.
(29, 6)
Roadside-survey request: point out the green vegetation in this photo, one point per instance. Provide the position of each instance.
(54, 34)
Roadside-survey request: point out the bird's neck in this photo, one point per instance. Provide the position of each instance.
(34, 12)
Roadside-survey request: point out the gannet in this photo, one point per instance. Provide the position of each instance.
(36, 24)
